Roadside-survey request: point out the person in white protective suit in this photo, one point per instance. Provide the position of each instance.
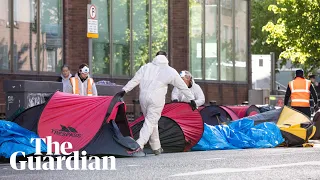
(177, 96)
(154, 79)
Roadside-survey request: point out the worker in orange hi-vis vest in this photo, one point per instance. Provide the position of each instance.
(299, 91)
(82, 84)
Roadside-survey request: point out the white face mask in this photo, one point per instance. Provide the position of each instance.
(85, 70)
(182, 74)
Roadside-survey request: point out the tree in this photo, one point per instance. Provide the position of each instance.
(296, 31)
(260, 17)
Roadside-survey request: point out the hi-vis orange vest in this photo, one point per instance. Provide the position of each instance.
(300, 92)
(75, 86)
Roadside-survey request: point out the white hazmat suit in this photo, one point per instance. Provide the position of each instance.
(154, 79)
(195, 90)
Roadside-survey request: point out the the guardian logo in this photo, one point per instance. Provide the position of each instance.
(92, 163)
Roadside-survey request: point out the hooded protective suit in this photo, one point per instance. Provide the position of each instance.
(154, 79)
(195, 90)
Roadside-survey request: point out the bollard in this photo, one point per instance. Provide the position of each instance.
(213, 103)
(245, 103)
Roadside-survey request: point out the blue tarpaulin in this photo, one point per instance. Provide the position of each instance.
(239, 135)
(14, 138)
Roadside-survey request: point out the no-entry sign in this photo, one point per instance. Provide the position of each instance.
(92, 21)
(92, 12)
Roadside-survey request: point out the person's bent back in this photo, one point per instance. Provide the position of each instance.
(154, 79)
(177, 96)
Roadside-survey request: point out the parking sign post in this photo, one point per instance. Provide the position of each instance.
(92, 29)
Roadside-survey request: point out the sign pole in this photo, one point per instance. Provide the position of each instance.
(92, 30)
(90, 55)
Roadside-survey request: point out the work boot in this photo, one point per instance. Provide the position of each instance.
(158, 151)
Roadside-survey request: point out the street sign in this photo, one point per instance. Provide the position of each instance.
(92, 12)
(92, 21)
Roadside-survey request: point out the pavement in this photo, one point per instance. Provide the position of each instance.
(274, 163)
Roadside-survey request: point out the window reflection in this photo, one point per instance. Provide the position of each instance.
(140, 33)
(121, 37)
(159, 26)
(25, 35)
(4, 35)
(241, 39)
(51, 35)
(226, 45)
(101, 46)
(211, 16)
(195, 41)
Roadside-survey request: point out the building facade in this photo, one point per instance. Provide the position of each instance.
(210, 38)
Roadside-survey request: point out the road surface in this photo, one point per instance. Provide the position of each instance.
(275, 163)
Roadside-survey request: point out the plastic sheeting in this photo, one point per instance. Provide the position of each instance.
(14, 138)
(239, 135)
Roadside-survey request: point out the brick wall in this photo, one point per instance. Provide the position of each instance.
(75, 33)
(179, 34)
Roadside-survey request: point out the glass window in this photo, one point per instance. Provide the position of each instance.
(241, 56)
(121, 37)
(211, 40)
(159, 26)
(4, 35)
(51, 35)
(226, 46)
(140, 33)
(195, 40)
(25, 35)
(101, 45)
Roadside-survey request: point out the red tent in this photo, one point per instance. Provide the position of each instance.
(244, 111)
(230, 112)
(96, 124)
(180, 128)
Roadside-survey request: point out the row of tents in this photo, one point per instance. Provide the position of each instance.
(99, 125)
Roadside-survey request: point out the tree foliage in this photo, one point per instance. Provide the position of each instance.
(260, 17)
(296, 31)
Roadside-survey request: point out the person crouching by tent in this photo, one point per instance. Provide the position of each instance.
(177, 96)
(82, 84)
(299, 91)
(154, 79)
(65, 76)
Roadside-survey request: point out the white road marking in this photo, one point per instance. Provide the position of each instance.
(275, 154)
(212, 159)
(233, 170)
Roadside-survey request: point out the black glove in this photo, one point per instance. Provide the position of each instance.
(122, 93)
(193, 105)
(175, 100)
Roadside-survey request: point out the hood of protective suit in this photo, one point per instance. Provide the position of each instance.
(192, 83)
(63, 78)
(160, 60)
